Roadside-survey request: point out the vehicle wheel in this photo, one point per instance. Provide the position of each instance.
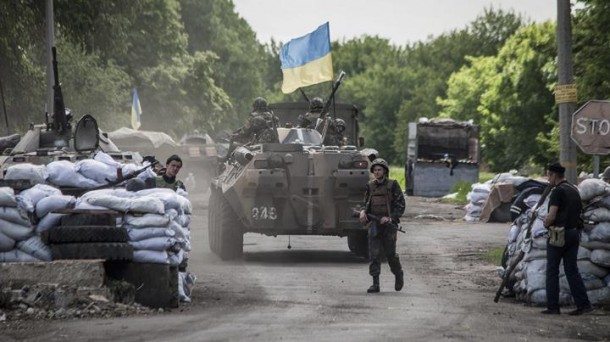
(358, 243)
(227, 232)
(105, 219)
(67, 234)
(106, 251)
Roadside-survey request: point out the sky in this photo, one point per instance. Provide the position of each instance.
(400, 21)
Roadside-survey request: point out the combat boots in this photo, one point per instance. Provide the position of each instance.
(375, 287)
(400, 281)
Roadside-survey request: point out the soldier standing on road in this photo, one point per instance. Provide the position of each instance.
(384, 200)
(564, 211)
(168, 178)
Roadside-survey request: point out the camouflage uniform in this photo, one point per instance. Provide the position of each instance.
(170, 183)
(309, 119)
(384, 198)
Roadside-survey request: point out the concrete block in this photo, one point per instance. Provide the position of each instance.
(84, 273)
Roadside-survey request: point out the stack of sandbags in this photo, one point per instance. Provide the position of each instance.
(528, 281)
(18, 239)
(477, 198)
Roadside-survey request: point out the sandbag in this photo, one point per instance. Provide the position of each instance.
(599, 296)
(167, 196)
(105, 158)
(538, 297)
(601, 257)
(586, 266)
(96, 170)
(36, 248)
(49, 221)
(65, 173)
(154, 244)
(34, 173)
(478, 198)
(175, 259)
(48, 204)
(185, 204)
(15, 231)
(15, 215)
(590, 281)
(534, 254)
(595, 245)
(7, 197)
(148, 256)
(538, 228)
(6, 243)
(16, 255)
(146, 220)
(183, 220)
(601, 232)
(593, 187)
(146, 204)
(186, 281)
(38, 192)
(180, 232)
(600, 214)
(109, 202)
(138, 234)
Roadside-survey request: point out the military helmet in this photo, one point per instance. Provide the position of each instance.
(381, 162)
(258, 123)
(260, 104)
(316, 104)
(606, 174)
(340, 125)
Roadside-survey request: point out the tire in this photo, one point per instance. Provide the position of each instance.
(105, 219)
(71, 234)
(106, 251)
(227, 236)
(358, 243)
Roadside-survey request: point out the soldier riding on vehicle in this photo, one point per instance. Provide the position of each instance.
(309, 119)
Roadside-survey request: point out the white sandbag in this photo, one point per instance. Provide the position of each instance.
(531, 200)
(15, 231)
(106, 159)
(83, 205)
(100, 172)
(183, 220)
(590, 281)
(48, 204)
(184, 244)
(586, 266)
(534, 254)
(473, 209)
(65, 173)
(538, 228)
(138, 234)
(154, 244)
(38, 192)
(129, 168)
(175, 259)
(36, 248)
(146, 174)
(146, 220)
(535, 281)
(15, 215)
(513, 233)
(185, 204)
(6, 243)
(182, 192)
(600, 214)
(481, 187)
(478, 198)
(167, 196)
(182, 293)
(538, 297)
(7, 197)
(601, 232)
(147, 256)
(583, 253)
(592, 187)
(595, 244)
(16, 255)
(49, 221)
(600, 296)
(146, 204)
(108, 201)
(34, 173)
(601, 257)
(180, 232)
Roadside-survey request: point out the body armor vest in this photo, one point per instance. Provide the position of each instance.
(380, 198)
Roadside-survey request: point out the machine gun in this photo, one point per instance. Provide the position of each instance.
(376, 219)
(120, 178)
(60, 121)
(528, 234)
(325, 109)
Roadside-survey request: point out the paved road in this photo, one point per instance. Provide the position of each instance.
(317, 291)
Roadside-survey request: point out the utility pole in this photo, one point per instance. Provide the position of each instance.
(50, 33)
(567, 148)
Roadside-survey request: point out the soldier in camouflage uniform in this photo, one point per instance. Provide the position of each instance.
(310, 119)
(334, 133)
(261, 126)
(384, 200)
(168, 178)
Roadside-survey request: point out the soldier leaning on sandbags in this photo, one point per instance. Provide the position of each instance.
(168, 178)
(385, 202)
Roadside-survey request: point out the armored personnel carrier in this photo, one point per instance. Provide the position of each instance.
(295, 187)
(57, 139)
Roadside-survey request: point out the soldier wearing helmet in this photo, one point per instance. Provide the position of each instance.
(385, 201)
(309, 119)
(261, 125)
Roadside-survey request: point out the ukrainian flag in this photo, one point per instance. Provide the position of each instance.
(306, 60)
(136, 111)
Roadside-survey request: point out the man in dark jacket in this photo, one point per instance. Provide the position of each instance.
(384, 200)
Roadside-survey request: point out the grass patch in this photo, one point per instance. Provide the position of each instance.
(494, 255)
(462, 188)
(484, 176)
(398, 173)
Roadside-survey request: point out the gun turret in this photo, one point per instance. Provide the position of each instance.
(60, 121)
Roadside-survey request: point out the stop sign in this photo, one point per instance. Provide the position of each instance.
(591, 127)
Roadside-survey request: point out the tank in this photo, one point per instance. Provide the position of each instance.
(59, 139)
(295, 187)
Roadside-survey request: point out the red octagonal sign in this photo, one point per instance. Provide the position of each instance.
(591, 127)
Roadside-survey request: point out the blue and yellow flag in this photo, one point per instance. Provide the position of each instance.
(306, 60)
(136, 111)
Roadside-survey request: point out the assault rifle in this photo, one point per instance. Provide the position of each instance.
(376, 219)
(120, 178)
(528, 234)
